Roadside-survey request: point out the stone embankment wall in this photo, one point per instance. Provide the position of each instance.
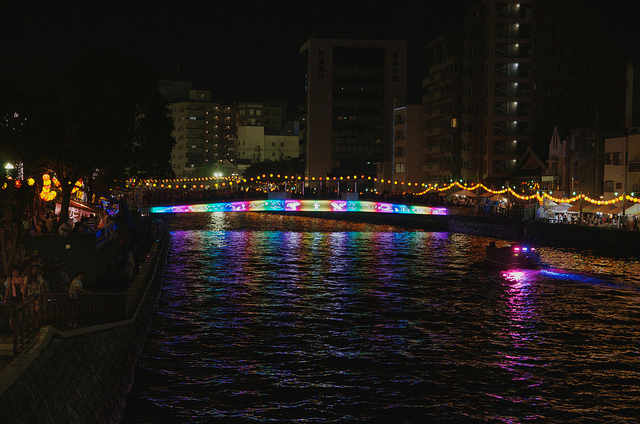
(599, 239)
(82, 375)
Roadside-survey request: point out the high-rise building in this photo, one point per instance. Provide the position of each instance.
(409, 164)
(347, 111)
(202, 130)
(442, 99)
(527, 67)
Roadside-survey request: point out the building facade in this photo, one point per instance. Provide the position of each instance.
(346, 114)
(622, 165)
(409, 165)
(202, 130)
(527, 67)
(442, 98)
(253, 145)
(271, 116)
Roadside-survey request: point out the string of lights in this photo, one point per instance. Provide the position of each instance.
(230, 181)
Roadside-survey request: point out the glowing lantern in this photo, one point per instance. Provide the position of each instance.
(46, 194)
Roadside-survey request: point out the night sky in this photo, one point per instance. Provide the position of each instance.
(240, 50)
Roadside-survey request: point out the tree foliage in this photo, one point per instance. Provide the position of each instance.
(103, 120)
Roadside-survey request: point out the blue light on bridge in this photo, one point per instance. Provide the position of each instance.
(300, 206)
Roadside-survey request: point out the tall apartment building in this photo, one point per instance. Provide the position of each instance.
(346, 114)
(527, 67)
(409, 167)
(471, 155)
(202, 130)
(442, 99)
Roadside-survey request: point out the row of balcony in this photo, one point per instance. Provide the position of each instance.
(514, 11)
(513, 51)
(512, 70)
(440, 167)
(510, 128)
(512, 109)
(438, 150)
(511, 89)
(508, 147)
(513, 31)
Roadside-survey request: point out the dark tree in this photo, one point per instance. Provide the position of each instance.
(103, 121)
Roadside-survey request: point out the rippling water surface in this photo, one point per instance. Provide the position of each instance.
(272, 318)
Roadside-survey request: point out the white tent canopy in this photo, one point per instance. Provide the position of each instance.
(464, 193)
(630, 210)
(562, 208)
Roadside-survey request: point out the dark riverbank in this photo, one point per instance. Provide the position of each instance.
(84, 374)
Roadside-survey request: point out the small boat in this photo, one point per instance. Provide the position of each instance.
(515, 256)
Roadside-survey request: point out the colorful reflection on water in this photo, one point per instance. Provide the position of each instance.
(290, 319)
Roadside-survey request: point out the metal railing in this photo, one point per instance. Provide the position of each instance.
(72, 311)
(63, 311)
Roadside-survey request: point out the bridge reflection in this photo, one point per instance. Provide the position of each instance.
(299, 206)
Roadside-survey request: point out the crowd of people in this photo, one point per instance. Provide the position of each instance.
(31, 274)
(20, 284)
(47, 224)
(630, 222)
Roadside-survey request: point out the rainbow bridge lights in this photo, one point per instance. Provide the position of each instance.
(299, 206)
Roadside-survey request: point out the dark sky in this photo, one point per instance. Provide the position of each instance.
(241, 50)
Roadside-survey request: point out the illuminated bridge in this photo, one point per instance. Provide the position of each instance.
(288, 205)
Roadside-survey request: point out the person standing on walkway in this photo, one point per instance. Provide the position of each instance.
(15, 288)
(34, 282)
(76, 284)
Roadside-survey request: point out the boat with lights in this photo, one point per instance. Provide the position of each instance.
(515, 256)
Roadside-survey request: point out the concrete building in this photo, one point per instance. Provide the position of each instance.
(622, 165)
(346, 114)
(253, 145)
(527, 67)
(202, 130)
(409, 164)
(442, 98)
(471, 157)
(271, 116)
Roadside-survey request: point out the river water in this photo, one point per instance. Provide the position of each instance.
(274, 318)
